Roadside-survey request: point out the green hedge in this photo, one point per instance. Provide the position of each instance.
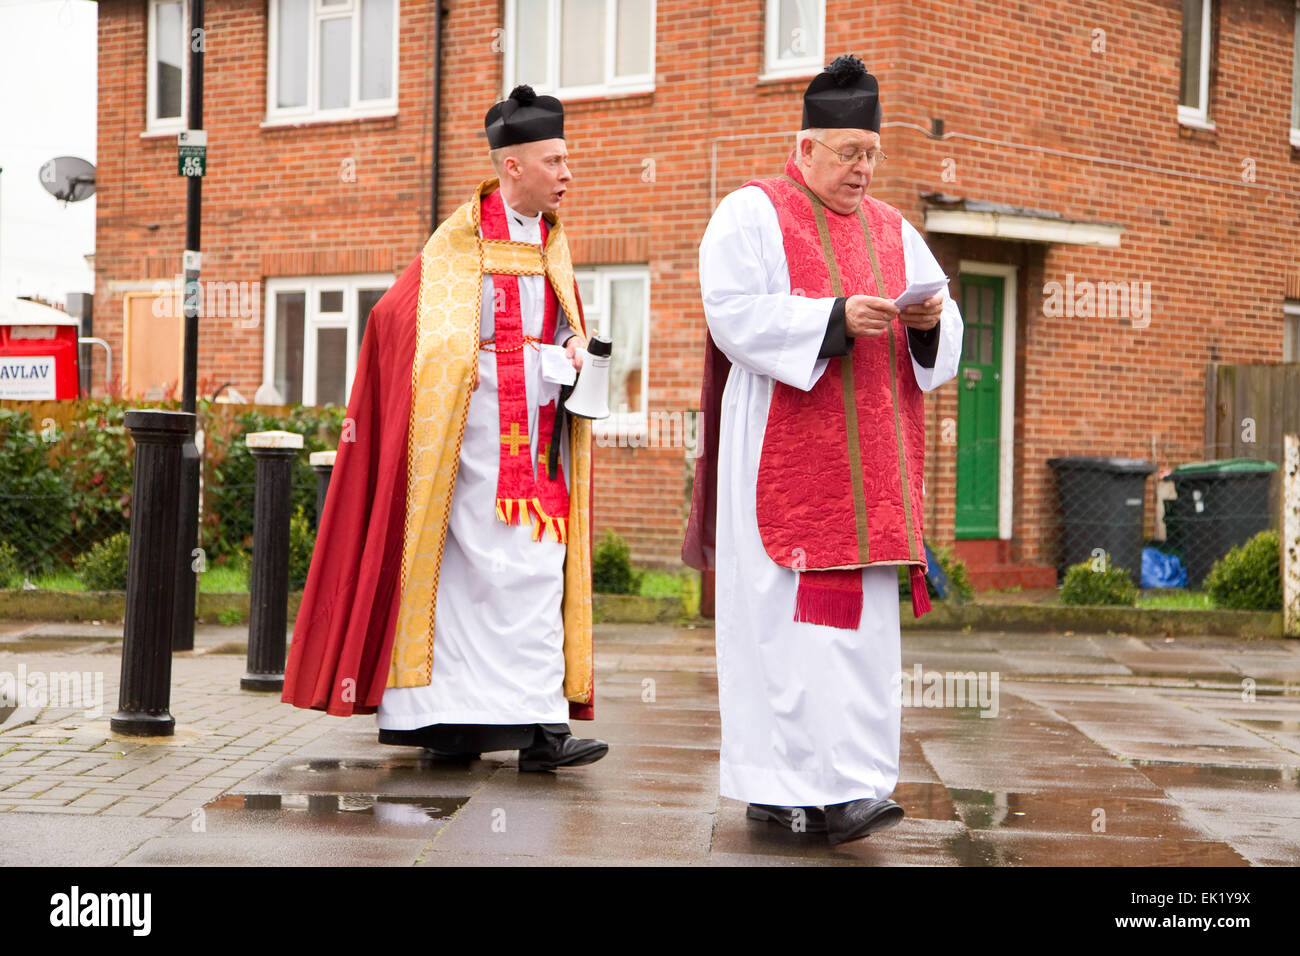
(231, 473)
(611, 567)
(34, 499)
(11, 575)
(1249, 577)
(104, 567)
(1086, 584)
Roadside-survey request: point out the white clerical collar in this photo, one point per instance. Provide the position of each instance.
(520, 217)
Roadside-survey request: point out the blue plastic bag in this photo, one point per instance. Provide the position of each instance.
(1160, 570)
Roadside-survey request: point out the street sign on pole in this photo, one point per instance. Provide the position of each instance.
(192, 152)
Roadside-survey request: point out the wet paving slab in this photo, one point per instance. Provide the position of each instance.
(39, 839)
(1052, 849)
(1086, 763)
(260, 838)
(1255, 809)
(493, 827)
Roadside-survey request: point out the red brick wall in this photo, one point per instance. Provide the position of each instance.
(1217, 251)
(274, 203)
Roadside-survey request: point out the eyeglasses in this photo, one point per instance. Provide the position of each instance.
(852, 157)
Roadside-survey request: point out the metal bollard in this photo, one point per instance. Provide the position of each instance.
(322, 462)
(274, 453)
(144, 696)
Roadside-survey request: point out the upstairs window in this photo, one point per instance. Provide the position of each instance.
(1295, 81)
(578, 48)
(1194, 84)
(331, 59)
(795, 38)
(168, 70)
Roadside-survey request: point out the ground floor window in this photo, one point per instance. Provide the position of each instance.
(1291, 331)
(314, 328)
(616, 303)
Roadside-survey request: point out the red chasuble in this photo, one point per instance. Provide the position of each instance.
(839, 479)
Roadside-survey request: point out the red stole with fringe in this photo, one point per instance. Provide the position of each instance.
(524, 493)
(839, 480)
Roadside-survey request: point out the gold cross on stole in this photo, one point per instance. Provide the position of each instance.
(514, 439)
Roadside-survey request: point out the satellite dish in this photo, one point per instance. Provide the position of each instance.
(68, 178)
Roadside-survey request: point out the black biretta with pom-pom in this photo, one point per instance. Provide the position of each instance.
(524, 117)
(843, 96)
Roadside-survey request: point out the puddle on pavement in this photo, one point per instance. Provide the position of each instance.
(385, 808)
(419, 762)
(926, 801)
(1279, 726)
(1286, 778)
(1064, 812)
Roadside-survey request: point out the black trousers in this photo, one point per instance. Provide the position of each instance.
(470, 738)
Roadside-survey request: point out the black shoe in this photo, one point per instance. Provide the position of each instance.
(813, 819)
(551, 750)
(859, 818)
(444, 756)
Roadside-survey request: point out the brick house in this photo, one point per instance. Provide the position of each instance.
(1108, 183)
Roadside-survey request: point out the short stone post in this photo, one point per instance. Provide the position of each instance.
(144, 697)
(322, 462)
(274, 453)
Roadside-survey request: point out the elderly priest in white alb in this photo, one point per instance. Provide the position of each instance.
(809, 490)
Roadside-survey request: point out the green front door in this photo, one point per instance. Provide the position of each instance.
(979, 406)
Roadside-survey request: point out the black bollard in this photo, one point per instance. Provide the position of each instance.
(322, 462)
(187, 539)
(274, 453)
(144, 696)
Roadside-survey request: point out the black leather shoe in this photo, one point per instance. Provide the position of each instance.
(551, 750)
(813, 819)
(859, 818)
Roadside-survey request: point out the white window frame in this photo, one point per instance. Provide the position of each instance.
(312, 287)
(168, 124)
(1295, 68)
(612, 85)
(276, 115)
(773, 68)
(1199, 118)
(1291, 330)
(598, 319)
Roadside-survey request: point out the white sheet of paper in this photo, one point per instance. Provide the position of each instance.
(918, 292)
(556, 371)
(556, 366)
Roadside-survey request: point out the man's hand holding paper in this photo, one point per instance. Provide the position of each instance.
(918, 307)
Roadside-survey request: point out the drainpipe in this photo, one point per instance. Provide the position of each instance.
(438, 14)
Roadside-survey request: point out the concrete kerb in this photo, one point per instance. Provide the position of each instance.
(39, 605)
(1092, 619)
(72, 606)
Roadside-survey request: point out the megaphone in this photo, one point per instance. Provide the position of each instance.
(590, 398)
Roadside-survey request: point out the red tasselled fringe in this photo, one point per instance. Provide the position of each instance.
(920, 596)
(521, 510)
(833, 607)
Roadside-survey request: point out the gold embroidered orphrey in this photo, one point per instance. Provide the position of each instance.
(442, 379)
